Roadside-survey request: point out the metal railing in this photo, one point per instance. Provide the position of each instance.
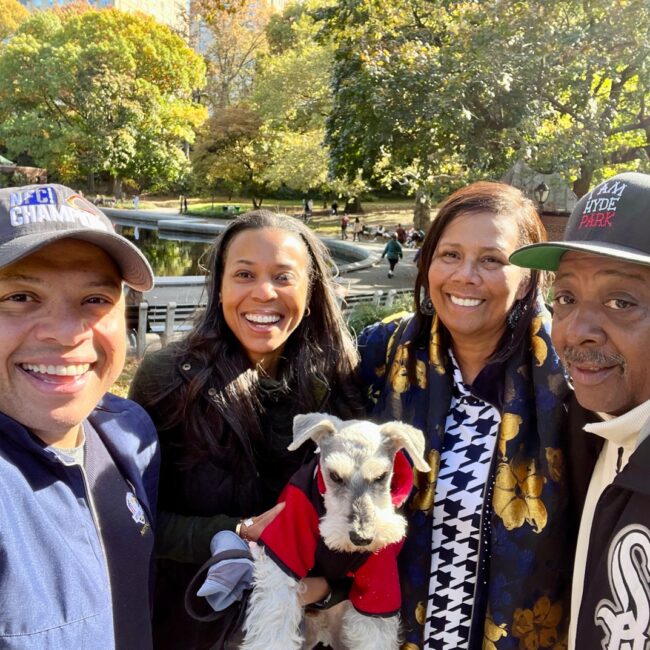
(168, 320)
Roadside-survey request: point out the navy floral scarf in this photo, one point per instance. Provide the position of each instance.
(528, 524)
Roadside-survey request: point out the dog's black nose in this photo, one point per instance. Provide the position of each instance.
(357, 540)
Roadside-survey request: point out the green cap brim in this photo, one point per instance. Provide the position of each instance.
(546, 256)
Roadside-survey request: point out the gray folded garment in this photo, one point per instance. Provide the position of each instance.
(228, 579)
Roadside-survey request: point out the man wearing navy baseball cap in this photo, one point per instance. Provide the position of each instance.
(601, 330)
(78, 466)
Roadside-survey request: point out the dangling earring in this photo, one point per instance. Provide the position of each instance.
(426, 307)
(517, 311)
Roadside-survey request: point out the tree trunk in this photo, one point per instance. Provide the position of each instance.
(257, 203)
(117, 188)
(91, 183)
(353, 205)
(582, 184)
(422, 211)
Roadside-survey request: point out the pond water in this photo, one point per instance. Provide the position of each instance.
(172, 254)
(167, 256)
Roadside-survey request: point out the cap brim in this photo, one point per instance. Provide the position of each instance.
(546, 256)
(134, 267)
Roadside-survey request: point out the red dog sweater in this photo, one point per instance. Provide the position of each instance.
(292, 539)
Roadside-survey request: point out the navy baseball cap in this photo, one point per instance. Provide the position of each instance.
(34, 216)
(612, 220)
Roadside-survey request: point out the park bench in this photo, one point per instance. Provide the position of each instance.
(163, 320)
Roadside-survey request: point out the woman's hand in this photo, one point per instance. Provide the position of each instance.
(313, 590)
(251, 531)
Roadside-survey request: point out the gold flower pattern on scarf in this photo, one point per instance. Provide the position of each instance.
(492, 633)
(397, 376)
(508, 430)
(435, 358)
(537, 628)
(540, 349)
(425, 483)
(555, 460)
(517, 495)
(421, 613)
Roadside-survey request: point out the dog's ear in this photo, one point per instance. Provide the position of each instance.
(313, 426)
(404, 436)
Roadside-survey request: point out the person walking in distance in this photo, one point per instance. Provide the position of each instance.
(345, 220)
(357, 229)
(393, 252)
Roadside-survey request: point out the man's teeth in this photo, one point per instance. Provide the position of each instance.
(465, 302)
(262, 318)
(72, 370)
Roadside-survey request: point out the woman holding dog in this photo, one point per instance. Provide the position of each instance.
(487, 561)
(270, 344)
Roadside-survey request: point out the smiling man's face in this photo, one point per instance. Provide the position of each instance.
(63, 339)
(601, 330)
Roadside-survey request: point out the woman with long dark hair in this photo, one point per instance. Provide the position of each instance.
(270, 344)
(487, 560)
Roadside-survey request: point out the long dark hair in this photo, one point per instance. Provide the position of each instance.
(506, 202)
(319, 351)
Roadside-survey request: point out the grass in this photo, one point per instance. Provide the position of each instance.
(121, 386)
(203, 205)
(366, 314)
(330, 225)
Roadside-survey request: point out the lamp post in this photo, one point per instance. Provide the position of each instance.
(541, 194)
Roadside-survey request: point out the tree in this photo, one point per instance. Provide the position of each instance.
(112, 94)
(235, 38)
(232, 153)
(275, 138)
(292, 97)
(431, 94)
(593, 88)
(12, 15)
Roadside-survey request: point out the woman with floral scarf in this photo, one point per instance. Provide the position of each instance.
(488, 557)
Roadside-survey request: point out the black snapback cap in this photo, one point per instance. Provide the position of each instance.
(612, 220)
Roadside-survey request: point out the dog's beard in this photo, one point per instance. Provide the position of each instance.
(335, 527)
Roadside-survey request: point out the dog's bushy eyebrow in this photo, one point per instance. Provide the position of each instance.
(375, 467)
(340, 463)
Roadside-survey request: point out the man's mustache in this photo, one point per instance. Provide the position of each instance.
(580, 357)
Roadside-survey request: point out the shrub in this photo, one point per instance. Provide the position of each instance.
(365, 314)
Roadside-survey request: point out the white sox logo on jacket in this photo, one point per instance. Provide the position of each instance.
(625, 619)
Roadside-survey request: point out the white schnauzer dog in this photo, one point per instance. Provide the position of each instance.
(339, 521)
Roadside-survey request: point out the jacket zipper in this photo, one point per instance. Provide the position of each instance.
(93, 514)
(95, 518)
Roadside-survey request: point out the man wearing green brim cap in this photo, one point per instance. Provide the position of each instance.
(601, 330)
